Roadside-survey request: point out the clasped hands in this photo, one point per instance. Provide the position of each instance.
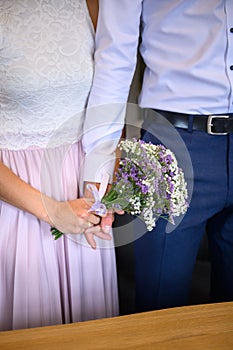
(75, 217)
(81, 220)
(101, 229)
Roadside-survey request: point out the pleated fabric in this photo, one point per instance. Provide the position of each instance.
(43, 281)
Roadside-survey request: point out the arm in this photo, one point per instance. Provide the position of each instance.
(115, 59)
(71, 216)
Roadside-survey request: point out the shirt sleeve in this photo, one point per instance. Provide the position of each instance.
(114, 64)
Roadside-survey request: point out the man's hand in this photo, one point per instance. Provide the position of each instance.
(102, 230)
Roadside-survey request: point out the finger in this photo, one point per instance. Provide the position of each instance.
(119, 212)
(106, 222)
(90, 239)
(89, 201)
(94, 219)
(98, 232)
(116, 211)
(88, 225)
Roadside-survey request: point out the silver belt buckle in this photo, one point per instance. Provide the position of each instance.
(210, 124)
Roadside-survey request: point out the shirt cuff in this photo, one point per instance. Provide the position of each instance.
(96, 165)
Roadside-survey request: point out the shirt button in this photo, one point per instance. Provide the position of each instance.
(231, 67)
(231, 30)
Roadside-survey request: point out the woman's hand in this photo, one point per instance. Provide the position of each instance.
(68, 217)
(72, 216)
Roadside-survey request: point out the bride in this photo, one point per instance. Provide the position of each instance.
(46, 70)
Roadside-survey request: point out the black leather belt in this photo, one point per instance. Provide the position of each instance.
(217, 124)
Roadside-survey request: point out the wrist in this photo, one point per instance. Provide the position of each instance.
(48, 210)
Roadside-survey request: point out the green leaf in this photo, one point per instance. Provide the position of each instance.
(120, 201)
(56, 233)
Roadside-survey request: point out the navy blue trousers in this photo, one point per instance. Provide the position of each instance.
(164, 260)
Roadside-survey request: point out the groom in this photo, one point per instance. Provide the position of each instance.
(187, 47)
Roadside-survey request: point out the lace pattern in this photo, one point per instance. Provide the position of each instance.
(46, 70)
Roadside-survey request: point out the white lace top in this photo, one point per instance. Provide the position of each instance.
(46, 70)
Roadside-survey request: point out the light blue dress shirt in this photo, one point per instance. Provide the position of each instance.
(187, 46)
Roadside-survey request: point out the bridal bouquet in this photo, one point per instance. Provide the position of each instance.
(148, 184)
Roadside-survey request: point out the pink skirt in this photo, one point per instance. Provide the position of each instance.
(43, 281)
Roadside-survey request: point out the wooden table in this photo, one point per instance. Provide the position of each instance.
(192, 327)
